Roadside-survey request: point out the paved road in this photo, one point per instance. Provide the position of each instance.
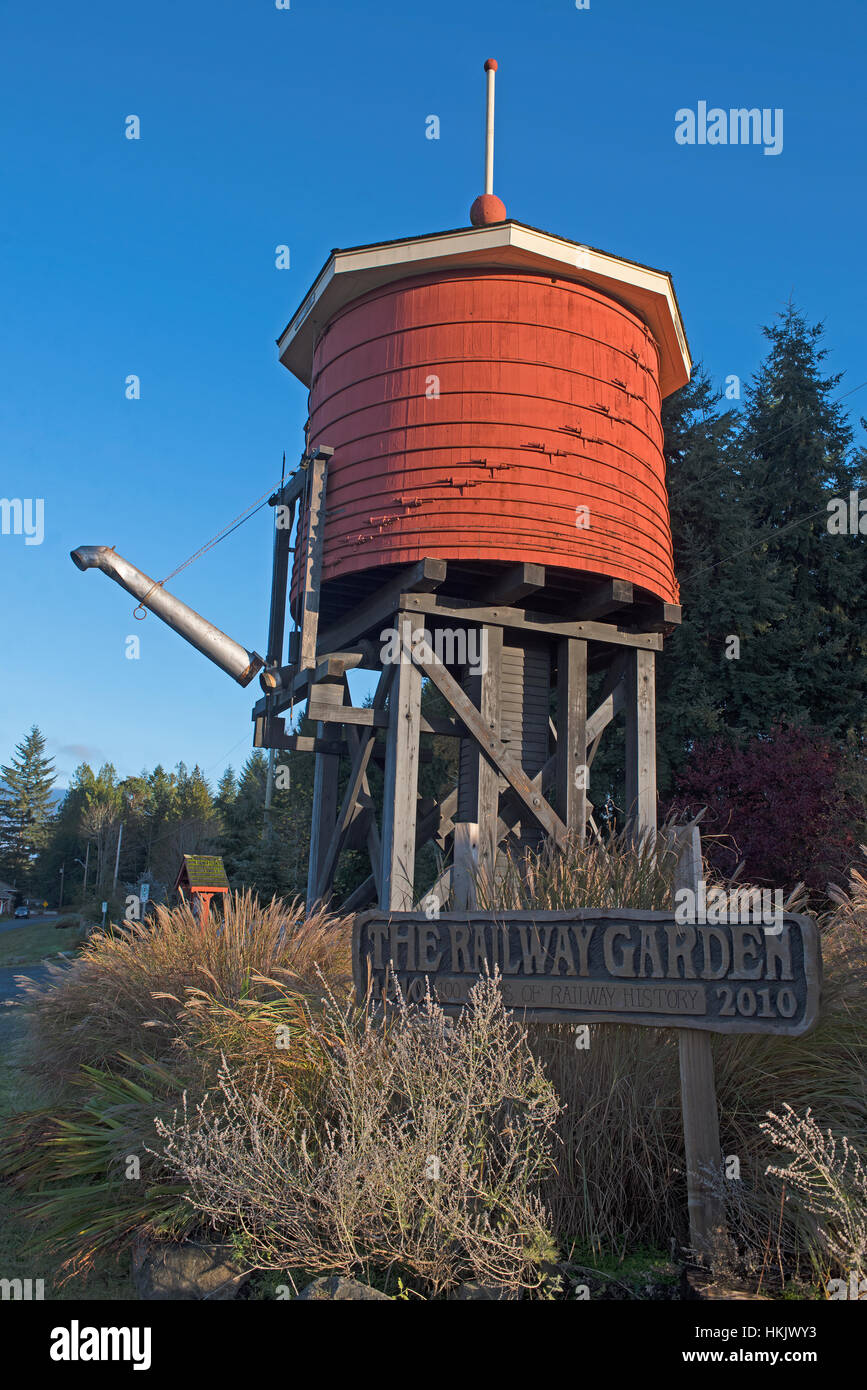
(9, 989)
(28, 922)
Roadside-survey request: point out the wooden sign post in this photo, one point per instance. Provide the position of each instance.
(701, 970)
(698, 1097)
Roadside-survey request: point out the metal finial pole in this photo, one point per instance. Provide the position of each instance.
(490, 69)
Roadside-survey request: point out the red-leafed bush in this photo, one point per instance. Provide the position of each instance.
(785, 802)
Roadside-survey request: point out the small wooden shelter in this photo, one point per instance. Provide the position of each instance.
(202, 875)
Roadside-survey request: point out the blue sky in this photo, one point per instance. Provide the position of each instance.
(306, 127)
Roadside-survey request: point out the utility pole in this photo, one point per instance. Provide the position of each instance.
(269, 793)
(62, 872)
(117, 857)
(84, 863)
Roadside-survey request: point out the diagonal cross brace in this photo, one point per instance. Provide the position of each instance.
(357, 777)
(488, 742)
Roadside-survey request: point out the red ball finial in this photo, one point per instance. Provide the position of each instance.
(487, 209)
(491, 65)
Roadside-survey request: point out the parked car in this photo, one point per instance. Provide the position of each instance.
(22, 910)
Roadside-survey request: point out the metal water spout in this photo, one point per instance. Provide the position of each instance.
(230, 656)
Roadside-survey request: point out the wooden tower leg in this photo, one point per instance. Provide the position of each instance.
(571, 798)
(479, 790)
(325, 776)
(641, 740)
(401, 778)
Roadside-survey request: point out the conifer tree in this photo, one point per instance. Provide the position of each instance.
(810, 664)
(725, 601)
(25, 807)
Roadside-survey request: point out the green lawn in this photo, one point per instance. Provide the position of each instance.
(27, 945)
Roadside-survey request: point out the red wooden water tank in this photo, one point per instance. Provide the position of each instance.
(489, 416)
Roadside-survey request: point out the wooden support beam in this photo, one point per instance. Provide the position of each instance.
(611, 702)
(606, 598)
(515, 584)
(366, 893)
(446, 823)
(640, 706)
(698, 1098)
(422, 577)
(479, 780)
(325, 775)
(487, 777)
(294, 486)
(357, 781)
(428, 818)
(468, 611)
(268, 732)
(401, 783)
(363, 817)
(279, 588)
(656, 617)
(466, 866)
(510, 812)
(286, 684)
(571, 794)
(438, 892)
(378, 719)
(314, 527)
(302, 743)
(372, 836)
(511, 804)
(350, 715)
(490, 743)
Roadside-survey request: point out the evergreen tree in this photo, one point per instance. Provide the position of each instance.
(809, 665)
(726, 602)
(245, 819)
(25, 808)
(227, 790)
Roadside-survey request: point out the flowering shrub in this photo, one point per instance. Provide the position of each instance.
(782, 802)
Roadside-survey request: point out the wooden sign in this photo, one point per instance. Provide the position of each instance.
(590, 966)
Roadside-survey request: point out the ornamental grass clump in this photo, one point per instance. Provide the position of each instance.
(426, 1154)
(148, 1014)
(615, 871)
(128, 989)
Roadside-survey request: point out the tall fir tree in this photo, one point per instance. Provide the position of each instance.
(809, 662)
(725, 603)
(25, 808)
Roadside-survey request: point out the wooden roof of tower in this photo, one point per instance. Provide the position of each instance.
(349, 274)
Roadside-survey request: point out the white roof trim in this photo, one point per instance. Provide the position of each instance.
(351, 273)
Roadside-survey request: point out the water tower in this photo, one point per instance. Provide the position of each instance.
(482, 502)
(484, 464)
